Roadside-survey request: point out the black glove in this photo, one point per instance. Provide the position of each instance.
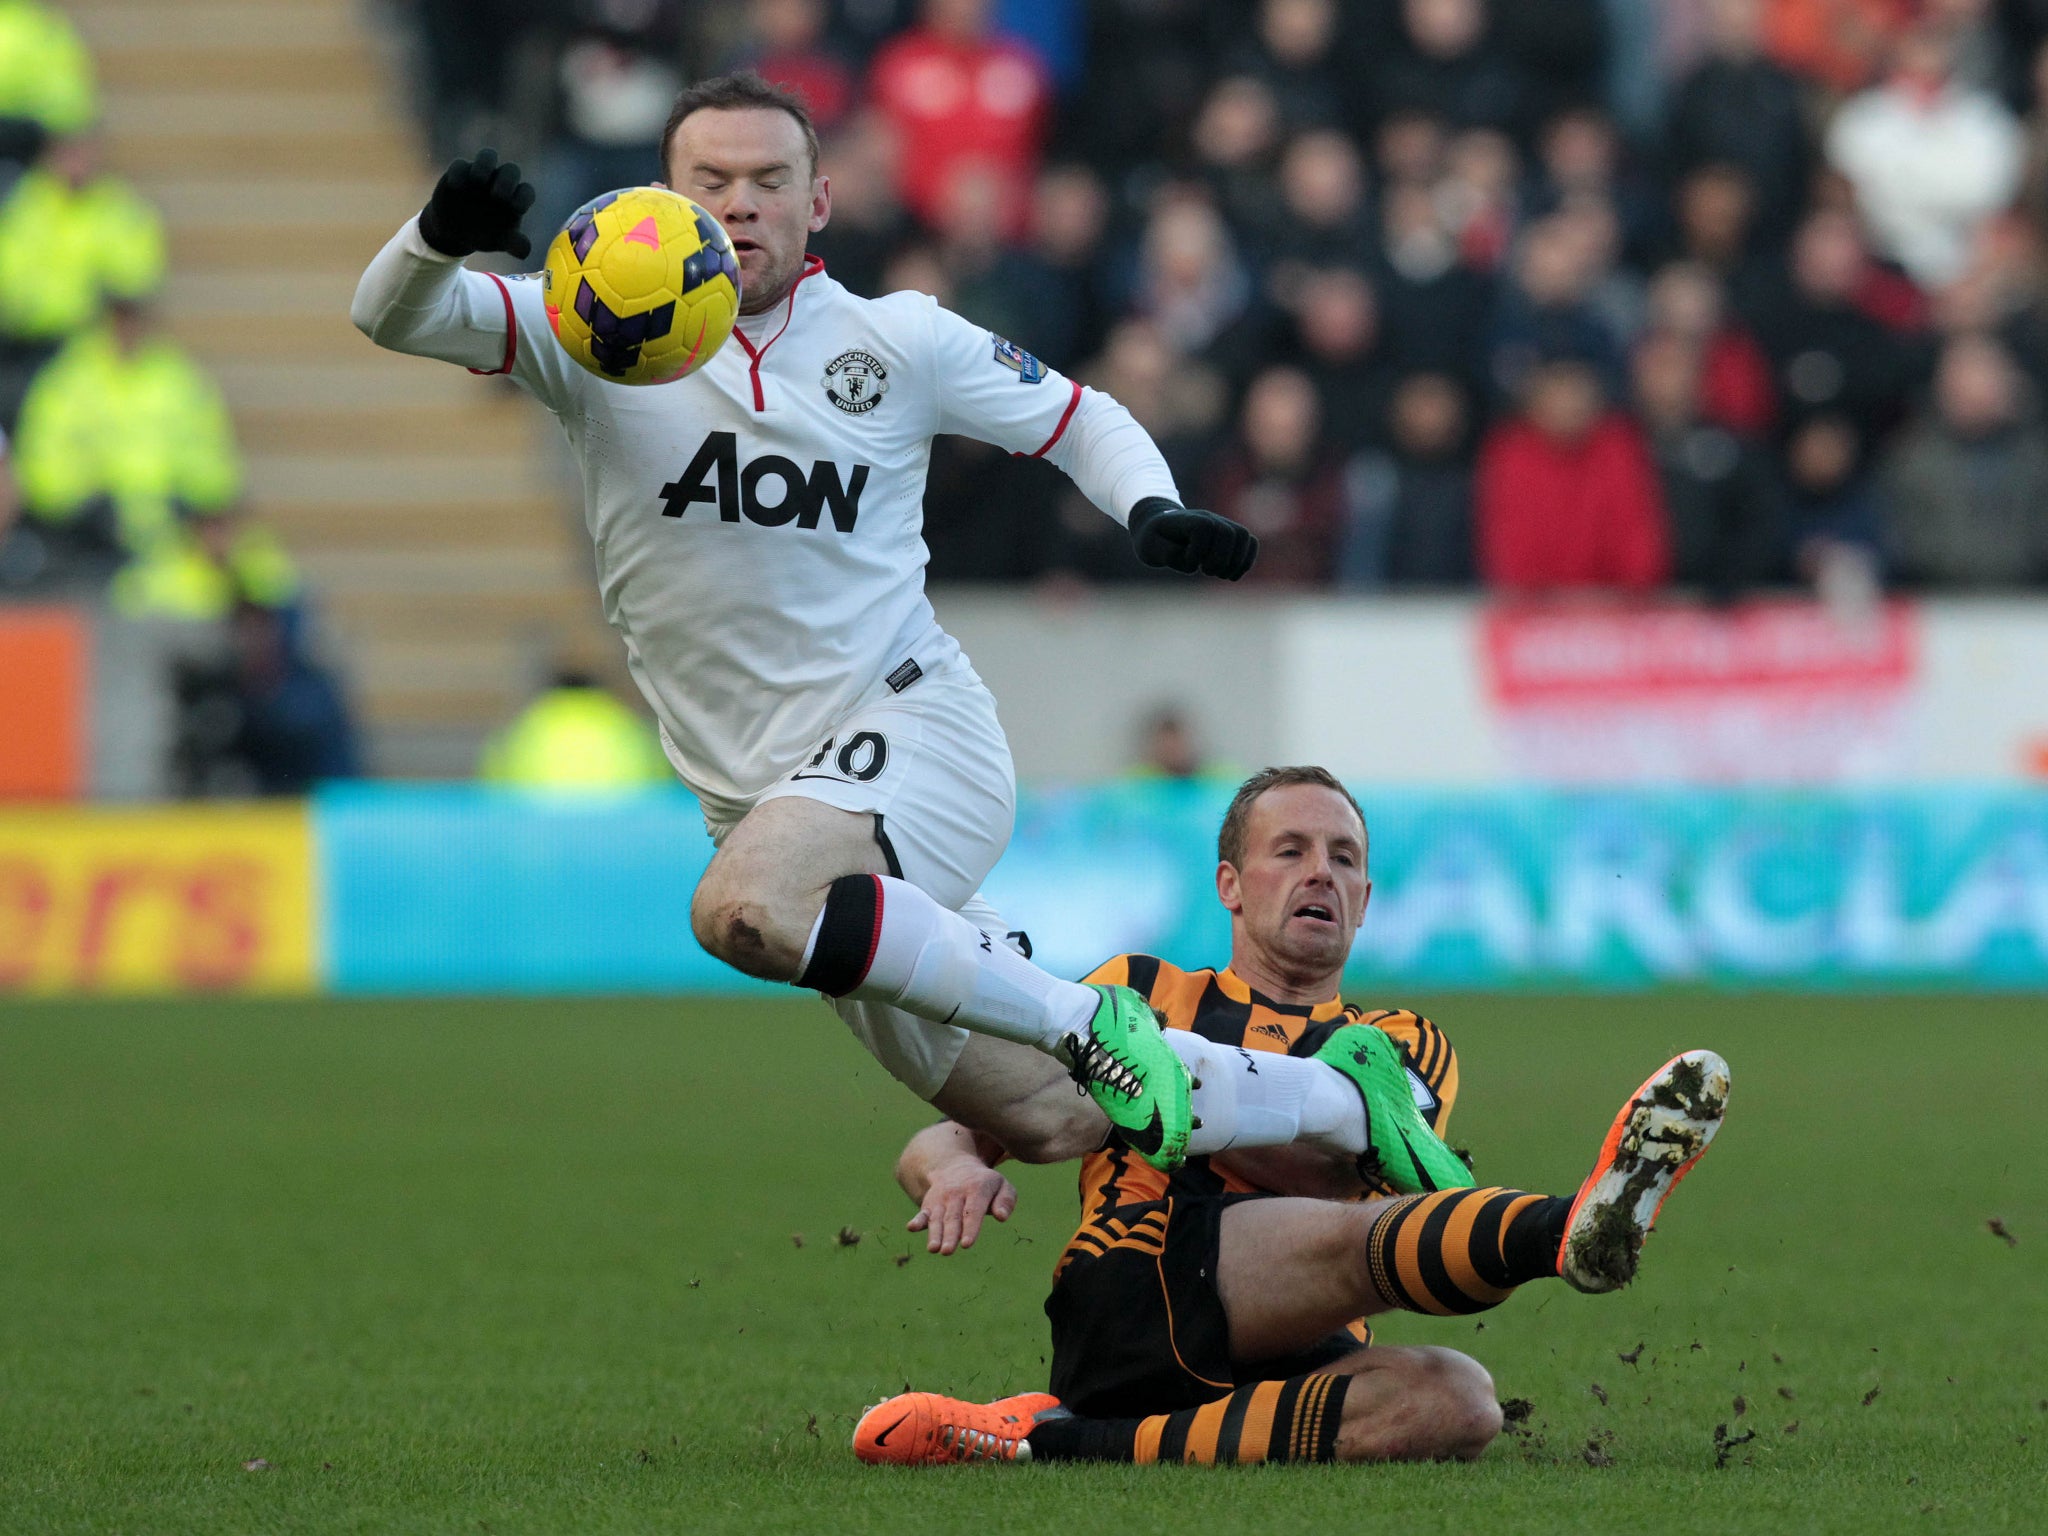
(1183, 539)
(476, 206)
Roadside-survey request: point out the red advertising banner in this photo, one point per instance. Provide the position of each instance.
(1772, 692)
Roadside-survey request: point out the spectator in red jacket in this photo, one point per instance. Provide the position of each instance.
(1567, 495)
(960, 96)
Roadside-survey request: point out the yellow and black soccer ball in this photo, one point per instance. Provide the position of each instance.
(642, 286)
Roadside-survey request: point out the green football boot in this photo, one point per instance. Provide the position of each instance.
(1125, 1065)
(1401, 1149)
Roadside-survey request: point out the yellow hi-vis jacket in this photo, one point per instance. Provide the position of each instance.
(177, 578)
(147, 429)
(63, 249)
(45, 71)
(576, 738)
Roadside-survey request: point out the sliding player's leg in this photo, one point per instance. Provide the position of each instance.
(1168, 1315)
(1393, 1404)
(1381, 1404)
(1143, 1370)
(1289, 1271)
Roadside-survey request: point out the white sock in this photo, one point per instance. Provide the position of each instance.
(937, 965)
(1265, 1099)
(1332, 1113)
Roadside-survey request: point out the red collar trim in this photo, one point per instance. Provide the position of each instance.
(813, 265)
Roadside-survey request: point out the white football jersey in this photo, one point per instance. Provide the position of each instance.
(758, 525)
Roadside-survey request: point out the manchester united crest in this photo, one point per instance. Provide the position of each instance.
(856, 382)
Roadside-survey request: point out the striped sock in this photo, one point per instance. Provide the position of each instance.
(1464, 1250)
(1292, 1420)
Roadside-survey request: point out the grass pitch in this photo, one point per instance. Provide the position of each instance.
(590, 1267)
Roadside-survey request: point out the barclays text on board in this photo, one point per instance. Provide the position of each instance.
(1597, 888)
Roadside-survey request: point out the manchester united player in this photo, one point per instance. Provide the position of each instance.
(757, 532)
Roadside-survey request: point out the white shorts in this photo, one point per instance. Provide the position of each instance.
(932, 766)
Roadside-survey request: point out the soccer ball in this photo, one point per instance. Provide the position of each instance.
(642, 286)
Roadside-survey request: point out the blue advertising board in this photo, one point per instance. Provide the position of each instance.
(459, 888)
(463, 889)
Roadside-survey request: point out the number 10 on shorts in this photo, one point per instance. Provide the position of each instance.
(862, 758)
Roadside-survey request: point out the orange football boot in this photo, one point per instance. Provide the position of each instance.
(923, 1429)
(1660, 1133)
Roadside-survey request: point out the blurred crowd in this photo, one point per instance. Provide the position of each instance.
(1721, 294)
(121, 484)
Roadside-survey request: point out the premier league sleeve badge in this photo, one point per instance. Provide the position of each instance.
(1029, 370)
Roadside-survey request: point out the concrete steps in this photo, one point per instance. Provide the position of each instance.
(341, 245)
(114, 30)
(309, 65)
(408, 530)
(424, 428)
(443, 543)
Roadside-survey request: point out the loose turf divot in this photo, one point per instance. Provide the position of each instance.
(1725, 1444)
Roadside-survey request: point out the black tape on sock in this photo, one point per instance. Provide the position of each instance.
(847, 936)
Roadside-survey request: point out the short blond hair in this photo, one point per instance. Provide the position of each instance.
(1230, 837)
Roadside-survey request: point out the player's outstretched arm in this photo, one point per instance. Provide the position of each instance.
(416, 297)
(995, 391)
(950, 1172)
(1117, 465)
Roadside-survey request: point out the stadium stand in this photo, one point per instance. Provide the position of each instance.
(420, 504)
(1733, 213)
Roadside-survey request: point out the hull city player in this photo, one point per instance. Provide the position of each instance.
(757, 528)
(1216, 1315)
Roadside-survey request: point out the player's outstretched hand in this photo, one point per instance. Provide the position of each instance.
(1184, 539)
(477, 206)
(961, 1193)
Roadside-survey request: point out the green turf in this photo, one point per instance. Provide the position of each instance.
(529, 1267)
